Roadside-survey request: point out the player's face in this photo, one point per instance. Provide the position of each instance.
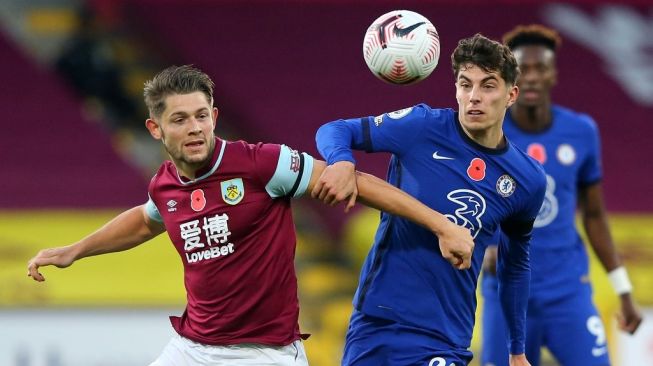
(538, 75)
(186, 129)
(483, 98)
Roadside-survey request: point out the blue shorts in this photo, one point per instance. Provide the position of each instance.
(568, 326)
(374, 341)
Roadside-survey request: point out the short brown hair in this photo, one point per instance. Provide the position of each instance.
(533, 34)
(489, 55)
(175, 80)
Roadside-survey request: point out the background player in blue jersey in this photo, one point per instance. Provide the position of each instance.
(561, 315)
(226, 206)
(411, 306)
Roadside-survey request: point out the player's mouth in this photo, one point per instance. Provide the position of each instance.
(475, 112)
(530, 94)
(195, 144)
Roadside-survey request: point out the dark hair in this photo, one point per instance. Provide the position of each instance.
(175, 80)
(533, 34)
(489, 55)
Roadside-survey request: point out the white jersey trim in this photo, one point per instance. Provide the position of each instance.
(152, 211)
(284, 178)
(215, 167)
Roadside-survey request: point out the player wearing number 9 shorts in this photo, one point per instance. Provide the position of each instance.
(561, 315)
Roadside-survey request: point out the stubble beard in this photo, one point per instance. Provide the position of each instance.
(179, 157)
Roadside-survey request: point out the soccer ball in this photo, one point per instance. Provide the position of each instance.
(401, 47)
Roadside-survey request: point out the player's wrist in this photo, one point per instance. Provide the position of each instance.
(620, 281)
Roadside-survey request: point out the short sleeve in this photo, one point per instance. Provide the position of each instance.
(292, 174)
(152, 211)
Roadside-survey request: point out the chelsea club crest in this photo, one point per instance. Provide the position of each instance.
(506, 185)
(232, 190)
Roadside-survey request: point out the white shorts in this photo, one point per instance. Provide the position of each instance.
(181, 351)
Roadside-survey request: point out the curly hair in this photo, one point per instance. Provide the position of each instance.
(489, 55)
(533, 34)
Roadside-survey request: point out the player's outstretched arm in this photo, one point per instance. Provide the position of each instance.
(125, 231)
(595, 221)
(456, 242)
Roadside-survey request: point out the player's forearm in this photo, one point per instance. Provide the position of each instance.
(125, 231)
(598, 233)
(379, 194)
(513, 272)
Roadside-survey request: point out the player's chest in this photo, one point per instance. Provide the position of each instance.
(562, 159)
(470, 189)
(218, 208)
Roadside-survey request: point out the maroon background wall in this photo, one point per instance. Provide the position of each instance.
(283, 69)
(51, 155)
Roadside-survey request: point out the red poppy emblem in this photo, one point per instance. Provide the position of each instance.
(197, 200)
(476, 169)
(537, 152)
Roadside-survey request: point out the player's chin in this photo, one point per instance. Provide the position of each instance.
(196, 157)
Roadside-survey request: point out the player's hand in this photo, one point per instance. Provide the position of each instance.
(456, 245)
(519, 360)
(490, 260)
(630, 318)
(336, 184)
(61, 257)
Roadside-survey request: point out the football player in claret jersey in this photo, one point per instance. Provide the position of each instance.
(226, 208)
(411, 307)
(561, 315)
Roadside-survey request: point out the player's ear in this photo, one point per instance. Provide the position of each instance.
(215, 116)
(154, 128)
(512, 95)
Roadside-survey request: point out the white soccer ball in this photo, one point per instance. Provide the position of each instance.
(401, 47)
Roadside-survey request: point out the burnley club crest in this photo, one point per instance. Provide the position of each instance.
(233, 190)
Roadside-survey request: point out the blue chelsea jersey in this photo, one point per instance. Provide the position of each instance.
(405, 277)
(569, 151)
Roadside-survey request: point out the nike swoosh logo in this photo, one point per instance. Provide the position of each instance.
(403, 32)
(440, 157)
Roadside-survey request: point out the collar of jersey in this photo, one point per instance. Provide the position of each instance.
(214, 167)
(476, 145)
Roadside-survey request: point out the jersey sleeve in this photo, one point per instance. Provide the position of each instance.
(392, 132)
(590, 170)
(152, 211)
(513, 263)
(292, 174)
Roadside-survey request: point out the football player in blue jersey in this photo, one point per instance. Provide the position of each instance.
(411, 306)
(561, 315)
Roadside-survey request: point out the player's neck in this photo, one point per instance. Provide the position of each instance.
(190, 170)
(532, 118)
(491, 138)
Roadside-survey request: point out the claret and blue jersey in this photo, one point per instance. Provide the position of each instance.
(405, 278)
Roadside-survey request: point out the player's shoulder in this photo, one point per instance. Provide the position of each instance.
(575, 120)
(421, 111)
(163, 175)
(243, 147)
